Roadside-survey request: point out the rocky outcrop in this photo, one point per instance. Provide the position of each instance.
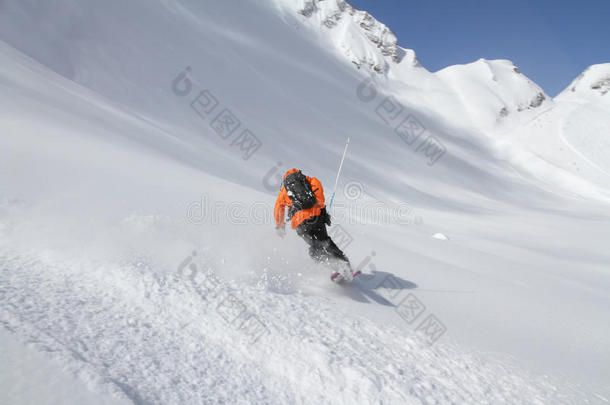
(363, 39)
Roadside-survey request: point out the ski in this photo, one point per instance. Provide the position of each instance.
(338, 277)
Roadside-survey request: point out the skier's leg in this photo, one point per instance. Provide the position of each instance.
(334, 251)
(317, 253)
(321, 246)
(331, 249)
(323, 249)
(308, 231)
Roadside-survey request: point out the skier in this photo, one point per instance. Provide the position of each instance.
(305, 198)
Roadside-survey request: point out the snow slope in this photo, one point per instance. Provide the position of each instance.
(588, 126)
(573, 132)
(591, 86)
(495, 92)
(110, 179)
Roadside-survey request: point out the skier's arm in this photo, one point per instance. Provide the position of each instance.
(278, 210)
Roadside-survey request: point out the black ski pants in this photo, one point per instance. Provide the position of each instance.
(321, 246)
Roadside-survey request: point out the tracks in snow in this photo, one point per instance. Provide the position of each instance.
(155, 339)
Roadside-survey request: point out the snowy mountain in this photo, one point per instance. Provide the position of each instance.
(572, 132)
(355, 33)
(142, 147)
(490, 96)
(495, 93)
(591, 86)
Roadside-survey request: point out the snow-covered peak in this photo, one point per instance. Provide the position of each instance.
(495, 92)
(592, 85)
(355, 33)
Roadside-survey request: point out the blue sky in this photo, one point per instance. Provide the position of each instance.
(552, 42)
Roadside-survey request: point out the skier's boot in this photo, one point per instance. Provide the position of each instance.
(336, 277)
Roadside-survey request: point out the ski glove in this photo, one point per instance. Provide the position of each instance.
(325, 216)
(280, 231)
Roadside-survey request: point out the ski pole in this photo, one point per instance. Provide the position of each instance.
(332, 198)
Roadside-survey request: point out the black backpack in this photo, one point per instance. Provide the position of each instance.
(299, 191)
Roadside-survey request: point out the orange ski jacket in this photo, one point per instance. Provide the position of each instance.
(283, 201)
